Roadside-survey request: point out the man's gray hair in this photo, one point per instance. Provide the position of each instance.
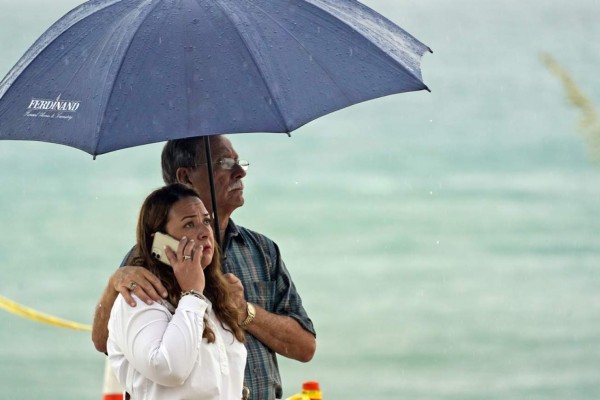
(180, 153)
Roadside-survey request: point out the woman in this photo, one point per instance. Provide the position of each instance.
(189, 347)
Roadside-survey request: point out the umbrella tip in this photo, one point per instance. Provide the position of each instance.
(427, 88)
(94, 157)
(429, 48)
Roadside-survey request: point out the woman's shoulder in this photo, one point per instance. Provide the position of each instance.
(122, 307)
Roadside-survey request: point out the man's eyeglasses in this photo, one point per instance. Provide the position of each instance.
(229, 163)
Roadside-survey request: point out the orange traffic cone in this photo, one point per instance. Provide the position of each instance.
(112, 389)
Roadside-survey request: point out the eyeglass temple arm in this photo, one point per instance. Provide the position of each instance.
(213, 197)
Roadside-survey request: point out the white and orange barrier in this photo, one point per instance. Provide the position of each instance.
(111, 389)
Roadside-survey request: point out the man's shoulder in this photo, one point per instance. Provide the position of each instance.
(252, 236)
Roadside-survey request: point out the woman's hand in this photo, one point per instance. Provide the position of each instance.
(187, 265)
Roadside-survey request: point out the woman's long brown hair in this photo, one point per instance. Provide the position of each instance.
(153, 218)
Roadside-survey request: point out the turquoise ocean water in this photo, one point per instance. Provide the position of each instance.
(446, 244)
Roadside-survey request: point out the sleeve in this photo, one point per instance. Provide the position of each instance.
(287, 299)
(160, 346)
(128, 256)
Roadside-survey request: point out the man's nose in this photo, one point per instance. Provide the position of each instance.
(238, 172)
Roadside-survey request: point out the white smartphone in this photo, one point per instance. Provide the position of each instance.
(158, 246)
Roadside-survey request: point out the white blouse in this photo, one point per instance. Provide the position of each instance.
(159, 355)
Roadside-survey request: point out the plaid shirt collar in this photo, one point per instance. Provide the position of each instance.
(233, 231)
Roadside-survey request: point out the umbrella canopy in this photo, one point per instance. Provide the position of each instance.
(113, 74)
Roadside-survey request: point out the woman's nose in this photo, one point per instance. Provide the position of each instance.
(203, 232)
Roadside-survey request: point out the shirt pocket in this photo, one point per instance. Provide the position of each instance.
(263, 295)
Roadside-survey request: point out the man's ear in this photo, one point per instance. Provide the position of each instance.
(183, 175)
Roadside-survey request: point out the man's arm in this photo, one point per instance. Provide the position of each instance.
(283, 334)
(147, 288)
(101, 316)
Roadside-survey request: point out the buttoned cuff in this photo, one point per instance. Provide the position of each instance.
(193, 303)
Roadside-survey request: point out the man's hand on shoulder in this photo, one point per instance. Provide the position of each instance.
(125, 280)
(138, 280)
(237, 291)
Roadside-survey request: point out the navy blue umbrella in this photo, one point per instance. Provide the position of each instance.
(113, 74)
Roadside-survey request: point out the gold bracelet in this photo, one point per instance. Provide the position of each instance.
(194, 293)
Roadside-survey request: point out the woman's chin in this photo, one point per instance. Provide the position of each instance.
(206, 259)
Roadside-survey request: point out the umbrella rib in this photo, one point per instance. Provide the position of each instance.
(81, 39)
(398, 66)
(188, 100)
(41, 44)
(385, 53)
(325, 70)
(279, 111)
(117, 72)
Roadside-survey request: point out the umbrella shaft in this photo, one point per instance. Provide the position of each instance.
(213, 197)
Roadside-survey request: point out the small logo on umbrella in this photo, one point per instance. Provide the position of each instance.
(45, 108)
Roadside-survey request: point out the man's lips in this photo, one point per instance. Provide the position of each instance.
(236, 186)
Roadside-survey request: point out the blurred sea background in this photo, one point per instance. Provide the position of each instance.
(445, 244)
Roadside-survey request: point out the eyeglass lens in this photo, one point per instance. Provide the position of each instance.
(229, 163)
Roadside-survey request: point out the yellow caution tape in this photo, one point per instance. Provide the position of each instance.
(37, 316)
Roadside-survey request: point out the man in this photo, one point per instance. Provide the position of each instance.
(272, 315)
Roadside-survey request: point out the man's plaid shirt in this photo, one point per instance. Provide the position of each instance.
(256, 261)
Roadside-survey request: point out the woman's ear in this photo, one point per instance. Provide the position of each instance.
(183, 175)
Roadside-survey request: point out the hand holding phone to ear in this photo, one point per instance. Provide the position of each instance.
(185, 257)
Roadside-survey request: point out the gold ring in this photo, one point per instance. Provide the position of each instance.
(187, 257)
(132, 286)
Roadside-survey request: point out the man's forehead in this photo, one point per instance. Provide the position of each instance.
(221, 146)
